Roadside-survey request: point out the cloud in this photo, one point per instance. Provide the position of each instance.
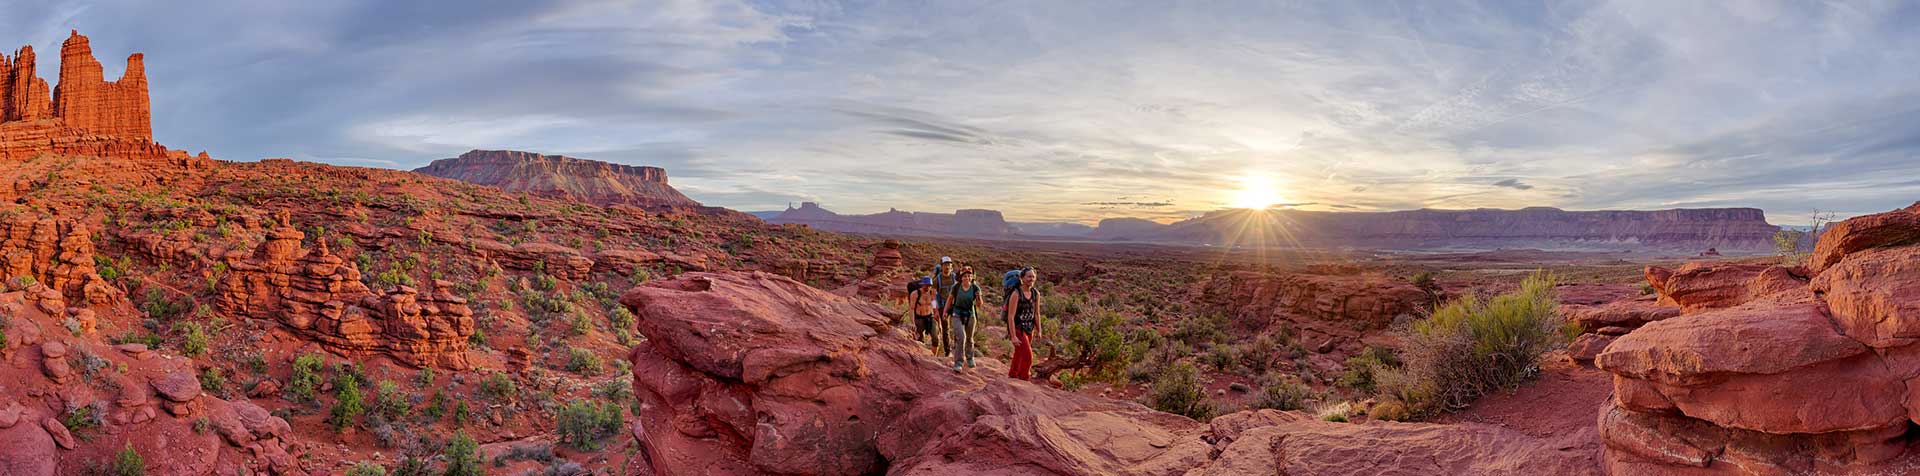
(1513, 184)
(1043, 109)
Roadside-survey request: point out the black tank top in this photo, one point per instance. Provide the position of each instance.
(1023, 312)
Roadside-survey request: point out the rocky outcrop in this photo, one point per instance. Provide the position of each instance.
(1768, 373)
(1337, 308)
(978, 223)
(753, 373)
(563, 177)
(84, 114)
(57, 257)
(322, 297)
(1726, 229)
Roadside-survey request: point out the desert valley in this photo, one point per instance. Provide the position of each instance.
(509, 312)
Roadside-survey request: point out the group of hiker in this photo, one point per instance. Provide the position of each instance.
(947, 304)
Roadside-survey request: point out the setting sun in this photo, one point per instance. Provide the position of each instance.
(1256, 192)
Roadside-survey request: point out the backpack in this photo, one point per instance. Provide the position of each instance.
(1011, 280)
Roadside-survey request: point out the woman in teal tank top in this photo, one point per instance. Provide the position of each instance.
(960, 305)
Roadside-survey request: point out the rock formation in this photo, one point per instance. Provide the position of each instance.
(321, 296)
(1768, 372)
(84, 114)
(563, 177)
(1726, 229)
(977, 223)
(1319, 308)
(752, 373)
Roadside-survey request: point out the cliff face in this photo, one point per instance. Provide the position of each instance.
(562, 177)
(84, 115)
(986, 223)
(1540, 227)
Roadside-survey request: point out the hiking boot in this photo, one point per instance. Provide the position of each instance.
(969, 361)
(956, 366)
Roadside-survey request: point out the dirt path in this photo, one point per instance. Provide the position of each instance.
(1562, 405)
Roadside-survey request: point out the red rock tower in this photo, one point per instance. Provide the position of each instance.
(85, 100)
(23, 95)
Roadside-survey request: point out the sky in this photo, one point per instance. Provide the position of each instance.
(1063, 110)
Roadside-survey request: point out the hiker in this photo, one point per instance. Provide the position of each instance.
(961, 302)
(1023, 323)
(920, 303)
(942, 284)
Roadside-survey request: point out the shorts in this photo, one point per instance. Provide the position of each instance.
(923, 322)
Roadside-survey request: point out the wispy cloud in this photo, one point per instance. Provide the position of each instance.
(1048, 110)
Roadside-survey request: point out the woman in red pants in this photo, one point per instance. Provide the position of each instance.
(1023, 324)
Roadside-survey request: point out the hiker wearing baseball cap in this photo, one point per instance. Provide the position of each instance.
(943, 276)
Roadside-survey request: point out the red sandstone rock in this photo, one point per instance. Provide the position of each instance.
(85, 115)
(1628, 314)
(86, 101)
(1898, 227)
(1588, 346)
(752, 373)
(959, 223)
(1318, 306)
(1875, 295)
(1701, 286)
(178, 386)
(563, 177)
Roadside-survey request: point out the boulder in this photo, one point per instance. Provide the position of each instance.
(1894, 228)
(1628, 314)
(1875, 295)
(178, 386)
(1700, 286)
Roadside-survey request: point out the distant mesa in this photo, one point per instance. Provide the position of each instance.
(562, 177)
(83, 115)
(1725, 229)
(1052, 229)
(962, 223)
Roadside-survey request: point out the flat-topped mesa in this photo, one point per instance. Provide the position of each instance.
(563, 177)
(84, 114)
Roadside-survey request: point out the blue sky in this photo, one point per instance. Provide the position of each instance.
(1064, 110)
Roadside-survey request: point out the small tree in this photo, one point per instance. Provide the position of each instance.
(349, 405)
(464, 456)
(582, 425)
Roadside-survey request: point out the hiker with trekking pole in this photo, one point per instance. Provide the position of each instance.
(943, 276)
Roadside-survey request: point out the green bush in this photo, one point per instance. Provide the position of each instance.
(620, 317)
(582, 425)
(464, 457)
(1362, 369)
(128, 463)
(305, 379)
(159, 306)
(1283, 395)
(582, 361)
(212, 381)
(437, 406)
(1096, 347)
(390, 402)
(498, 387)
(580, 323)
(1469, 348)
(194, 339)
(1181, 390)
(348, 404)
(367, 468)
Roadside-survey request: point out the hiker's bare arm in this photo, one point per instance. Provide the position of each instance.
(1010, 307)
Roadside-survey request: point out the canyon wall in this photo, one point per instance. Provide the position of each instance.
(974, 223)
(83, 115)
(563, 177)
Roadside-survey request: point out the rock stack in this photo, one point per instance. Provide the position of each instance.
(321, 296)
(84, 115)
(1775, 370)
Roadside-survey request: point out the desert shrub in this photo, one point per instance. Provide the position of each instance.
(390, 402)
(461, 413)
(1222, 357)
(202, 425)
(193, 340)
(1362, 369)
(580, 323)
(128, 462)
(367, 468)
(616, 390)
(1181, 390)
(620, 317)
(305, 379)
(347, 405)
(1199, 331)
(1389, 410)
(412, 466)
(463, 456)
(1470, 347)
(1646, 289)
(79, 419)
(1096, 347)
(1334, 412)
(478, 339)
(582, 361)
(437, 406)
(149, 339)
(424, 379)
(212, 381)
(582, 425)
(4, 324)
(158, 306)
(1282, 395)
(498, 387)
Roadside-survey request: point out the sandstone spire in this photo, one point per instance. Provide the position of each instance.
(24, 95)
(85, 100)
